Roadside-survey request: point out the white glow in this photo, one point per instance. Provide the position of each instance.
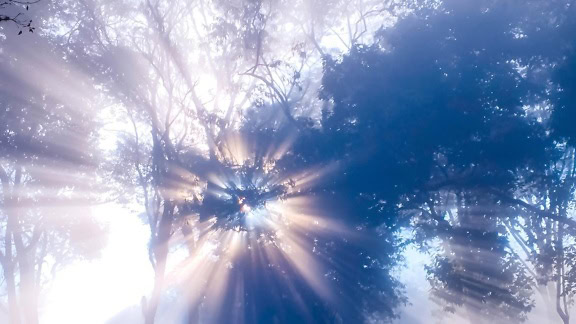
(93, 292)
(246, 209)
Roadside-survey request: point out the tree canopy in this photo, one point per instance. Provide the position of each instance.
(288, 154)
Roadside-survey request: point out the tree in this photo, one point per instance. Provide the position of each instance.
(9, 11)
(434, 116)
(141, 63)
(45, 217)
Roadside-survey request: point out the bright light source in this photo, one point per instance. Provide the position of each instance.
(245, 208)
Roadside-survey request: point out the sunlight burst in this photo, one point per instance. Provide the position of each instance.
(265, 222)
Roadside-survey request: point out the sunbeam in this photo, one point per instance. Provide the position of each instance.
(260, 221)
(276, 161)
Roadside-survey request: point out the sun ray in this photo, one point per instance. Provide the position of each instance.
(267, 227)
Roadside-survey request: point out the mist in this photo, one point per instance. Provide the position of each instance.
(272, 161)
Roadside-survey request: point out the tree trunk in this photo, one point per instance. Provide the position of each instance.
(13, 307)
(28, 293)
(161, 255)
(8, 264)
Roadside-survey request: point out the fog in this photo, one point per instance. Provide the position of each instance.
(272, 161)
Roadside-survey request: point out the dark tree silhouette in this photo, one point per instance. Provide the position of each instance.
(11, 11)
